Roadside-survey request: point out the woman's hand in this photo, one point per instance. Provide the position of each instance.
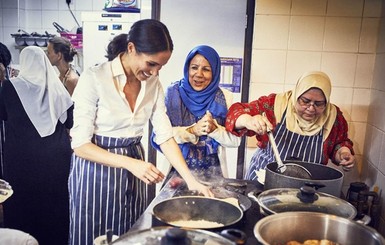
(258, 123)
(202, 189)
(345, 158)
(146, 172)
(204, 126)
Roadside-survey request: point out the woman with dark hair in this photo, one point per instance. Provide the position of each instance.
(116, 46)
(61, 53)
(5, 60)
(114, 101)
(197, 108)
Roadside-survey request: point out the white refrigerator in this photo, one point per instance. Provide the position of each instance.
(99, 28)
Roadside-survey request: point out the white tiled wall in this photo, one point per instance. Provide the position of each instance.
(345, 39)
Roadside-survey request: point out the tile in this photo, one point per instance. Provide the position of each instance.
(364, 71)
(381, 165)
(340, 67)
(375, 147)
(371, 177)
(10, 18)
(360, 105)
(10, 4)
(50, 4)
(85, 5)
(279, 7)
(377, 109)
(345, 7)
(299, 62)
(306, 33)
(369, 35)
(372, 8)
(33, 5)
(381, 36)
(357, 132)
(48, 17)
(263, 89)
(271, 32)
(342, 34)
(268, 66)
(379, 72)
(309, 7)
(342, 97)
(36, 16)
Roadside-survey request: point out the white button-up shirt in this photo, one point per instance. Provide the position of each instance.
(102, 109)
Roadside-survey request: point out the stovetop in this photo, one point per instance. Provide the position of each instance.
(223, 187)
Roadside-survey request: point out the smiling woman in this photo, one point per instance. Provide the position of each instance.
(306, 125)
(114, 101)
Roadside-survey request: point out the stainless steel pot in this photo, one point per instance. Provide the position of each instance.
(327, 179)
(170, 236)
(305, 199)
(301, 226)
(218, 212)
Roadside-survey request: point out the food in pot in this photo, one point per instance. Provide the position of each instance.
(313, 242)
(196, 224)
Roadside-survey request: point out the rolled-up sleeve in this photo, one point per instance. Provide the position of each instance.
(160, 121)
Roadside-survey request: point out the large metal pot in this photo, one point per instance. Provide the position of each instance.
(328, 179)
(305, 199)
(172, 236)
(218, 212)
(301, 226)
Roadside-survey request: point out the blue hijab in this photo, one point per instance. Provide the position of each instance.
(198, 102)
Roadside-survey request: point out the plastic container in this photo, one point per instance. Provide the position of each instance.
(75, 39)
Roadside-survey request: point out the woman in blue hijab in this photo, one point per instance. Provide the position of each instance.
(197, 109)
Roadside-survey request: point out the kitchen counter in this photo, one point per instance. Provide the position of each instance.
(246, 224)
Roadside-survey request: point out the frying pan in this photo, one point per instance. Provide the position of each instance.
(186, 208)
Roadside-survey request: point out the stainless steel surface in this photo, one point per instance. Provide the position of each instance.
(305, 199)
(328, 180)
(301, 226)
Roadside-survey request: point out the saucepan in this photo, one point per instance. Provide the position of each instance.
(198, 212)
(302, 226)
(328, 180)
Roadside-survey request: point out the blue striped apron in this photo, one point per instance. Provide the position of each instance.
(291, 146)
(103, 197)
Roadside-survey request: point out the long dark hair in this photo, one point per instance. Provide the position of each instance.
(5, 55)
(150, 36)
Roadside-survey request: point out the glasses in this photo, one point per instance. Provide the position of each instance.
(304, 102)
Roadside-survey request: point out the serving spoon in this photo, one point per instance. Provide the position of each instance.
(288, 169)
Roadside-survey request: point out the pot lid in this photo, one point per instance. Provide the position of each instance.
(304, 199)
(164, 235)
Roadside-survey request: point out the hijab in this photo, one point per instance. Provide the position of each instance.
(41, 93)
(287, 101)
(198, 102)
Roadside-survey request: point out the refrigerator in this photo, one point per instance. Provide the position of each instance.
(99, 28)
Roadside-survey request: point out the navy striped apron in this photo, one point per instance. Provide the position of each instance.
(103, 197)
(291, 146)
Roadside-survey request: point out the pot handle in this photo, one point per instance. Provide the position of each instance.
(234, 235)
(316, 186)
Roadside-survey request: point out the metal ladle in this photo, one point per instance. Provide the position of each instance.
(288, 169)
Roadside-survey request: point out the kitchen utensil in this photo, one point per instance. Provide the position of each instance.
(197, 208)
(300, 226)
(162, 235)
(59, 28)
(326, 179)
(305, 199)
(288, 169)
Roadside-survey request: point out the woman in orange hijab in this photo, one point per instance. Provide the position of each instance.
(305, 124)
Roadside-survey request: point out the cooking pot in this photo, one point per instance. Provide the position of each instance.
(217, 212)
(163, 235)
(306, 198)
(328, 179)
(301, 226)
